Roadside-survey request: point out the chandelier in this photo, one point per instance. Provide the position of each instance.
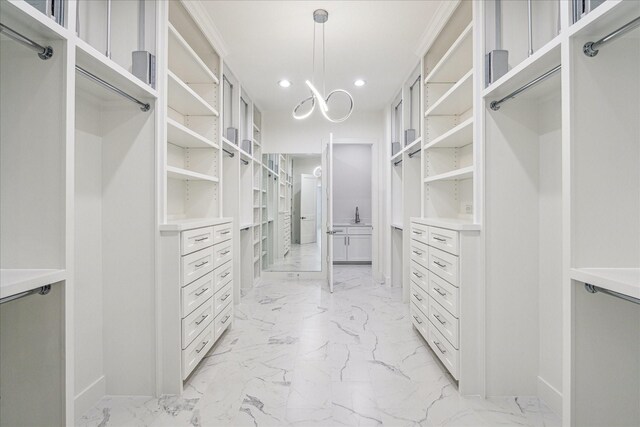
(320, 16)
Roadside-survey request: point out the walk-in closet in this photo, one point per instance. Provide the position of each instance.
(279, 213)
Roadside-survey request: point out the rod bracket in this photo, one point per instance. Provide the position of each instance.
(46, 53)
(145, 107)
(590, 288)
(494, 105)
(589, 50)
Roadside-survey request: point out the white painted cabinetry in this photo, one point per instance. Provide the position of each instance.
(352, 244)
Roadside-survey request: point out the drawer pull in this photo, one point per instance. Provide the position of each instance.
(417, 297)
(443, 351)
(204, 316)
(419, 276)
(225, 232)
(437, 316)
(202, 239)
(202, 346)
(225, 275)
(439, 239)
(225, 297)
(417, 252)
(202, 291)
(439, 264)
(418, 320)
(224, 253)
(202, 263)
(442, 294)
(225, 318)
(419, 233)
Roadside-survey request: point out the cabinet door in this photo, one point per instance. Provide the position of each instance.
(339, 248)
(359, 248)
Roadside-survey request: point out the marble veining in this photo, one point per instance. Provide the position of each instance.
(298, 355)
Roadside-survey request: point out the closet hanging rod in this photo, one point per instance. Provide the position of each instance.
(414, 153)
(41, 291)
(228, 152)
(397, 163)
(591, 48)
(495, 105)
(244, 161)
(143, 106)
(592, 289)
(44, 52)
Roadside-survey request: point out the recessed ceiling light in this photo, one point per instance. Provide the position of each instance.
(284, 83)
(359, 82)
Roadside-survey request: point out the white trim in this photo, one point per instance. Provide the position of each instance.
(435, 25)
(201, 16)
(551, 396)
(88, 397)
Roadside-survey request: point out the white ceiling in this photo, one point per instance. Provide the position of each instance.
(270, 40)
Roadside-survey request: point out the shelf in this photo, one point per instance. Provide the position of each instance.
(184, 61)
(185, 100)
(15, 281)
(244, 227)
(187, 175)
(99, 65)
(459, 56)
(190, 223)
(256, 128)
(180, 135)
(457, 137)
(256, 189)
(26, 19)
(458, 224)
(264, 253)
(256, 259)
(622, 280)
(230, 144)
(258, 143)
(534, 66)
(608, 16)
(458, 174)
(397, 156)
(397, 226)
(456, 100)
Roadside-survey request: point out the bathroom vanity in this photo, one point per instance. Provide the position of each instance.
(352, 242)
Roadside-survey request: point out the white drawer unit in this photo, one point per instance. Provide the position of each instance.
(193, 354)
(222, 252)
(420, 253)
(194, 240)
(444, 239)
(444, 265)
(445, 294)
(448, 355)
(196, 265)
(222, 299)
(419, 232)
(223, 320)
(352, 244)
(446, 324)
(197, 292)
(222, 275)
(222, 232)
(419, 275)
(359, 230)
(420, 298)
(195, 322)
(419, 320)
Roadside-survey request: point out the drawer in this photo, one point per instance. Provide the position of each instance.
(197, 292)
(419, 320)
(419, 253)
(222, 275)
(196, 265)
(444, 265)
(222, 299)
(222, 232)
(420, 298)
(222, 252)
(419, 275)
(223, 320)
(194, 240)
(445, 351)
(196, 322)
(340, 231)
(446, 324)
(444, 239)
(419, 232)
(445, 294)
(359, 230)
(193, 354)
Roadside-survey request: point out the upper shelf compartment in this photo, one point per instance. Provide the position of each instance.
(185, 100)
(20, 16)
(185, 62)
(456, 61)
(456, 100)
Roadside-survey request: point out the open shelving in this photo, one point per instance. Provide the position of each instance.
(458, 136)
(185, 100)
(458, 58)
(458, 174)
(186, 175)
(455, 101)
(185, 62)
(180, 135)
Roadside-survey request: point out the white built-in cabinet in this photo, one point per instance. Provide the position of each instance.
(352, 244)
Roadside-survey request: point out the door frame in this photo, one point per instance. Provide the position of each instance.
(315, 201)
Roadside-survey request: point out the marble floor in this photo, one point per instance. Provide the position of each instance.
(300, 258)
(299, 355)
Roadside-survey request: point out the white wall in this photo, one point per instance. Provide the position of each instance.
(352, 182)
(300, 165)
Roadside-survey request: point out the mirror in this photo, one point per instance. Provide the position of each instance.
(293, 188)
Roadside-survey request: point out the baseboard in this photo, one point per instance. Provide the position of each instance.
(550, 396)
(88, 397)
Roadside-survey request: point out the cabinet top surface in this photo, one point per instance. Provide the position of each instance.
(449, 223)
(188, 224)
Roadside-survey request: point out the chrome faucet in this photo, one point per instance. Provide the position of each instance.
(357, 216)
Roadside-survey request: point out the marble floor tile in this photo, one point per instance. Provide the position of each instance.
(298, 355)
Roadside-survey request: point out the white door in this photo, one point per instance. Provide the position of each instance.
(359, 248)
(308, 219)
(328, 172)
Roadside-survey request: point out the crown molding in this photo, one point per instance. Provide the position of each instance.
(201, 16)
(435, 25)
